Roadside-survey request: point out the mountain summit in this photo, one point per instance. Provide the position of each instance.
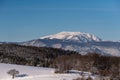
(73, 36)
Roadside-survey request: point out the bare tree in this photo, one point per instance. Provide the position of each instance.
(13, 73)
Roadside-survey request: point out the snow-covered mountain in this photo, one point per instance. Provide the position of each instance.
(73, 36)
(76, 41)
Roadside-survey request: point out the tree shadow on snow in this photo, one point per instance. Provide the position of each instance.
(22, 75)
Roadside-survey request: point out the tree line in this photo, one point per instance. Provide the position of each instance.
(29, 55)
(92, 62)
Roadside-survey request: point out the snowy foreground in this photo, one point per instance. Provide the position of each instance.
(34, 73)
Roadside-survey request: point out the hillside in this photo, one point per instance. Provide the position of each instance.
(61, 60)
(29, 55)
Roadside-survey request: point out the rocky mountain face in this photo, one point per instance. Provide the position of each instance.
(76, 41)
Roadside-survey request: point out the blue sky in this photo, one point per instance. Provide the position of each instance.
(22, 20)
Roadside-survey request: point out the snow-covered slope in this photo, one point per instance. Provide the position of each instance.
(77, 41)
(24, 71)
(73, 36)
(35, 73)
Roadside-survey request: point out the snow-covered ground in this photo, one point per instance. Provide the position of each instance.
(38, 73)
(33, 73)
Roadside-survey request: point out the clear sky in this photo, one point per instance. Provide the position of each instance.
(22, 20)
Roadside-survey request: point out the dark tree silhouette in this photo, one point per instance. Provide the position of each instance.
(13, 73)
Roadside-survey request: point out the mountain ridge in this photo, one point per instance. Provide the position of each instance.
(83, 46)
